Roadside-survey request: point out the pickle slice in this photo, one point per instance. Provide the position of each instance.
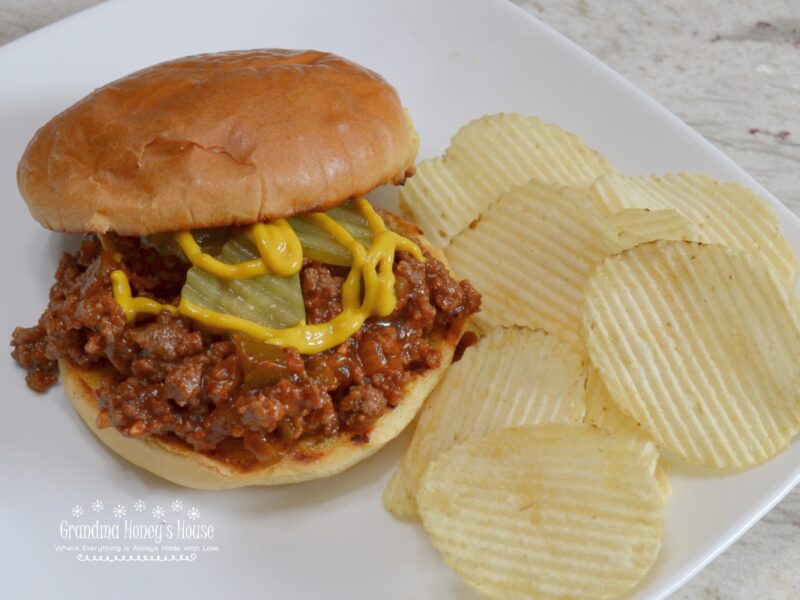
(319, 245)
(267, 299)
(211, 240)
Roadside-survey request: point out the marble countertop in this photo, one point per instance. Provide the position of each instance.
(731, 70)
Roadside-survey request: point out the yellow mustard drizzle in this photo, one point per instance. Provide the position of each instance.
(281, 254)
(131, 306)
(277, 244)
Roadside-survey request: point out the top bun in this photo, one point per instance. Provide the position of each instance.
(215, 140)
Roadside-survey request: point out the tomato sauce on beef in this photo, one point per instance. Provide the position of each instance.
(170, 378)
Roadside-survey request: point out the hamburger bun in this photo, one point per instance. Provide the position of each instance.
(180, 464)
(215, 140)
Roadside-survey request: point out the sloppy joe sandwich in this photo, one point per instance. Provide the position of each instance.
(237, 313)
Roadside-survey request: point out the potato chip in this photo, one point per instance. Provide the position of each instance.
(510, 377)
(530, 255)
(487, 157)
(641, 225)
(602, 412)
(396, 497)
(700, 345)
(724, 213)
(662, 476)
(552, 511)
(439, 199)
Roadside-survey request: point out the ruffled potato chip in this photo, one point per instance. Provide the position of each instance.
(545, 512)
(700, 345)
(602, 412)
(642, 225)
(486, 157)
(510, 377)
(530, 255)
(723, 213)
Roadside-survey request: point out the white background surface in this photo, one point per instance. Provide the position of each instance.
(727, 69)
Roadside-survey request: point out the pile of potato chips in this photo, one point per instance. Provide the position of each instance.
(622, 316)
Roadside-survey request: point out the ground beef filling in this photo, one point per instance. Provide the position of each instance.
(168, 378)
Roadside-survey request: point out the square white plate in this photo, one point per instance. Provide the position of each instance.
(452, 61)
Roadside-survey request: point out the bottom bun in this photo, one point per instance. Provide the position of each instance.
(180, 464)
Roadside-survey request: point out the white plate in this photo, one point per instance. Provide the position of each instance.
(452, 61)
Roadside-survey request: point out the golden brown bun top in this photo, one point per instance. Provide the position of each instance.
(217, 139)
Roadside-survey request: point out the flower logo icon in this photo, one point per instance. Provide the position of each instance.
(139, 506)
(177, 506)
(97, 505)
(193, 514)
(158, 512)
(119, 511)
(77, 511)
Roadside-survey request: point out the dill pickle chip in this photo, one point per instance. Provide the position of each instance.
(320, 245)
(267, 300)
